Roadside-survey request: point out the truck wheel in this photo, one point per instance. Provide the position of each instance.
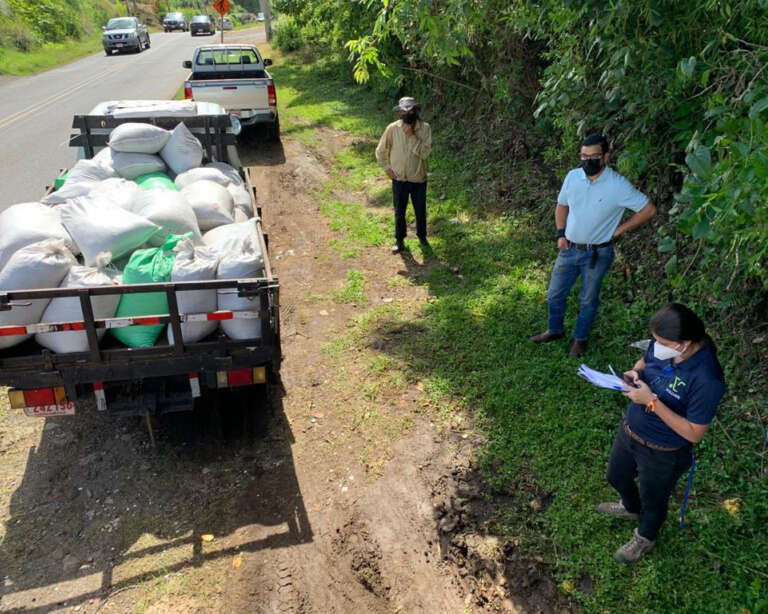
(149, 43)
(107, 52)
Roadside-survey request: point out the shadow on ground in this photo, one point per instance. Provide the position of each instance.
(99, 510)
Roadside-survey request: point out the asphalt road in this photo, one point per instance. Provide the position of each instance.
(36, 112)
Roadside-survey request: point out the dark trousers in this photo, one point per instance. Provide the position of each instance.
(656, 473)
(401, 190)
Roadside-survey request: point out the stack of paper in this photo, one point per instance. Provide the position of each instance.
(610, 381)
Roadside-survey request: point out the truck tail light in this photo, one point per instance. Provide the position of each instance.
(187, 91)
(241, 377)
(19, 399)
(272, 95)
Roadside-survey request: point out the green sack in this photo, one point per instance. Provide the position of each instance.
(149, 181)
(60, 180)
(146, 266)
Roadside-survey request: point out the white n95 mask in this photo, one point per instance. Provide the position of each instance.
(662, 352)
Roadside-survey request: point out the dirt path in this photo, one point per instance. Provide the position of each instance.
(353, 501)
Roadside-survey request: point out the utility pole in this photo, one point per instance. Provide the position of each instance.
(265, 8)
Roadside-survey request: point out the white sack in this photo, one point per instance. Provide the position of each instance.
(183, 151)
(27, 223)
(116, 192)
(244, 264)
(136, 137)
(170, 211)
(82, 177)
(241, 199)
(240, 216)
(233, 238)
(36, 266)
(212, 203)
(194, 264)
(130, 165)
(196, 174)
(68, 309)
(229, 170)
(88, 171)
(104, 158)
(104, 232)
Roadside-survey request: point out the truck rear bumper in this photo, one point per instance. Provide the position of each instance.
(249, 117)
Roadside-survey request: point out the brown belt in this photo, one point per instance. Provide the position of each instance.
(645, 443)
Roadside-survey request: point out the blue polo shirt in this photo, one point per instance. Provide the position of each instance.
(692, 389)
(595, 207)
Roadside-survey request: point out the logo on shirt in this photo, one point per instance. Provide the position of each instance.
(676, 383)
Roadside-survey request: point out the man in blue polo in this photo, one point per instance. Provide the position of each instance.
(587, 219)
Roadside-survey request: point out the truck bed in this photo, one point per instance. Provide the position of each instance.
(159, 368)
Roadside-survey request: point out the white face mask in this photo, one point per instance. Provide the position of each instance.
(662, 352)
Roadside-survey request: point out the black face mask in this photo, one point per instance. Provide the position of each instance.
(410, 118)
(592, 167)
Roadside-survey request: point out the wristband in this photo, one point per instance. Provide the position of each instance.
(652, 405)
(560, 234)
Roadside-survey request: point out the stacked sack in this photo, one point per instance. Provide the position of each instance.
(135, 213)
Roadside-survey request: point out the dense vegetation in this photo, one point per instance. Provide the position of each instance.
(681, 89)
(28, 24)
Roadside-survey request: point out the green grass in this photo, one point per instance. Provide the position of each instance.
(354, 290)
(15, 62)
(548, 431)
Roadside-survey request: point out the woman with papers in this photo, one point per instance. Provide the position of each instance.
(674, 392)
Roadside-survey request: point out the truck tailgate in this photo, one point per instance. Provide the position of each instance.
(233, 94)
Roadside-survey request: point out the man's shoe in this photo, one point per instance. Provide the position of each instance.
(424, 243)
(578, 348)
(618, 510)
(546, 337)
(634, 549)
(398, 247)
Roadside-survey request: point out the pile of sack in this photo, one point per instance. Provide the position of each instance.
(145, 209)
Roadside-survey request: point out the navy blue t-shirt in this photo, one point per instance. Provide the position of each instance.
(692, 389)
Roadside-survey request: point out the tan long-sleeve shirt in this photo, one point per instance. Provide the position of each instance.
(405, 155)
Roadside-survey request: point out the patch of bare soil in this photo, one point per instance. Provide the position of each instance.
(324, 512)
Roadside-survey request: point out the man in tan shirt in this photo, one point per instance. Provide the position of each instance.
(402, 152)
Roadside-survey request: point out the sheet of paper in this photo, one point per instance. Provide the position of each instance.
(610, 381)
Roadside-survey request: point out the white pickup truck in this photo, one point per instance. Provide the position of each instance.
(235, 77)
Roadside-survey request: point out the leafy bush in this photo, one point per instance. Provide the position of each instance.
(287, 35)
(17, 35)
(31, 23)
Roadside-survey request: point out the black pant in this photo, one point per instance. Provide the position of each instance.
(418, 193)
(657, 473)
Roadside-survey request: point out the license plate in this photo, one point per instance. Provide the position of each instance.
(44, 411)
(119, 44)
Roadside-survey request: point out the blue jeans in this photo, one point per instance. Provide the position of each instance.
(571, 263)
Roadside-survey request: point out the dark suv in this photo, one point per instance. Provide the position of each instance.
(175, 21)
(124, 34)
(201, 24)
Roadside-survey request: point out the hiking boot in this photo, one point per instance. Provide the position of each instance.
(611, 508)
(578, 348)
(546, 337)
(398, 247)
(634, 549)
